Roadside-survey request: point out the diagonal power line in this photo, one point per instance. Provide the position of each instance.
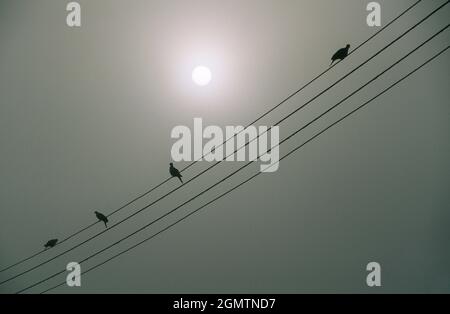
(194, 162)
(256, 174)
(247, 164)
(147, 206)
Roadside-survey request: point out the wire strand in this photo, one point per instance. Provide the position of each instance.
(204, 155)
(212, 166)
(247, 164)
(255, 175)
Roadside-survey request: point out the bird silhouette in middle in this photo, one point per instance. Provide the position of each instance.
(50, 243)
(102, 217)
(341, 54)
(174, 172)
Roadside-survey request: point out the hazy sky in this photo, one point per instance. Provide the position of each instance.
(85, 121)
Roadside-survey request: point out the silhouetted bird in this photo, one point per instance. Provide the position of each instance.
(102, 217)
(50, 243)
(174, 172)
(341, 54)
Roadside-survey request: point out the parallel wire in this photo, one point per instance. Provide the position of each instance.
(253, 176)
(212, 166)
(244, 166)
(204, 155)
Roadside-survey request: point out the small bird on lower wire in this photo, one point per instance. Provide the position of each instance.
(50, 243)
(102, 217)
(174, 172)
(341, 54)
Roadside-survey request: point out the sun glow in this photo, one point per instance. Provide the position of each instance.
(201, 76)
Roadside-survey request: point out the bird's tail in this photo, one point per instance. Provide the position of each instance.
(106, 226)
(181, 180)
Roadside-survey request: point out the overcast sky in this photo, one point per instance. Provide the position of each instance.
(85, 121)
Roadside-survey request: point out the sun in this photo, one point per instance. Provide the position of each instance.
(201, 75)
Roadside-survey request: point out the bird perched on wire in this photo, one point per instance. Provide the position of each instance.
(174, 172)
(341, 54)
(50, 243)
(102, 217)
